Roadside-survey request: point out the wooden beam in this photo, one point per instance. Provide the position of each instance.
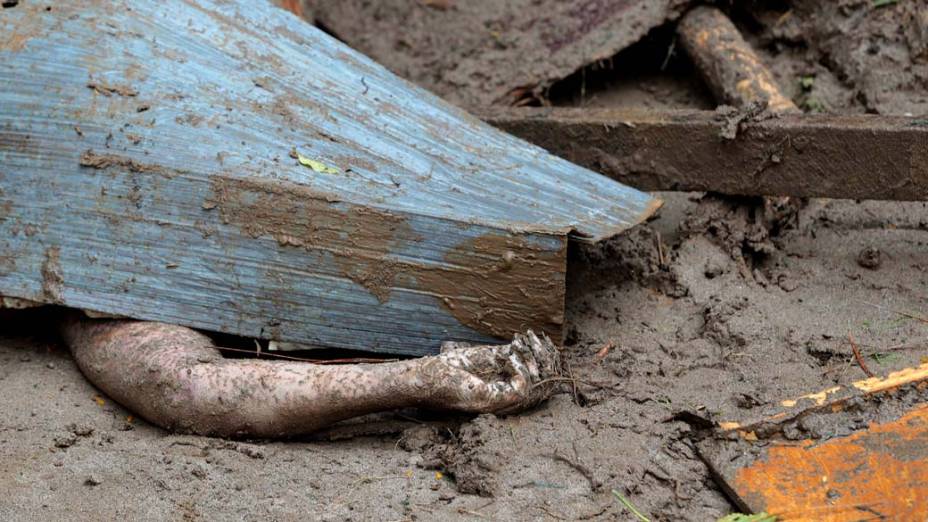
(226, 166)
(853, 156)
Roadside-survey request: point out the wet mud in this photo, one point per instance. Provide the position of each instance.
(716, 309)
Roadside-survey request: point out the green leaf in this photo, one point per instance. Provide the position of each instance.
(883, 3)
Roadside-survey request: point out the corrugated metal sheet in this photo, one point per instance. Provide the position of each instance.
(226, 166)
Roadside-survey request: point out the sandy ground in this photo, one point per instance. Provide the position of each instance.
(717, 307)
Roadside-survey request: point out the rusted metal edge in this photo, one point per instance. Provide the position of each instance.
(850, 156)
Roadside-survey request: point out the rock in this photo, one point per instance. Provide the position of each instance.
(787, 283)
(65, 441)
(81, 430)
(870, 258)
(198, 471)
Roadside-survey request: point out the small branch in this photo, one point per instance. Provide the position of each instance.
(550, 513)
(302, 359)
(660, 250)
(912, 316)
(858, 357)
(591, 384)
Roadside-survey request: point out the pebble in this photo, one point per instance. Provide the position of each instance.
(198, 472)
(870, 257)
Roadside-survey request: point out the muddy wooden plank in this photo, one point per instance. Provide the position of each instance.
(226, 166)
(876, 473)
(856, 452)
(854, 156)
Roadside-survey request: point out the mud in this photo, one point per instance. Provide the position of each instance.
(52, 279)
(851, 55)
(713, 310)
(362, 243)
(476, 53)
(108, 89)
(95, 160)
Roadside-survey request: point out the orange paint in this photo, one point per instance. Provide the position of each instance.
(882, 470)
(294, 6)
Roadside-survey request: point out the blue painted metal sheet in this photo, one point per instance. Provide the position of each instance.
(226, 166)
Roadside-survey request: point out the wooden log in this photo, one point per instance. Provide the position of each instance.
(829, 156)
(734, 72)
(223, 165)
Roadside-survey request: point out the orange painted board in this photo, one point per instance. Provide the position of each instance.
(876, 473)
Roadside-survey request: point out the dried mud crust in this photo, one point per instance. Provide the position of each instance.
(471, 455)
(847, 55)
(477, 53)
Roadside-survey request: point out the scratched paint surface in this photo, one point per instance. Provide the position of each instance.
(875, 474)
(153, 163)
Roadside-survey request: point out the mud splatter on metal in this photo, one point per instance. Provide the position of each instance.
(153, 146)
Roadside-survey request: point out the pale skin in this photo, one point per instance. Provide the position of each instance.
(174, 377)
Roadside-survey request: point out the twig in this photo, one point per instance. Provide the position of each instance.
(591, 384)
(573, 383)
(858, 357)
(628, 505)
(550, 514)
(463, 511)
(912, 316)
(660, 250)
(595, 484)
(313, 361)
(670, 49)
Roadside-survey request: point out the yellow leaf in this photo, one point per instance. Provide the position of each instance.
(438, 475)
(99, 400)
(318, 166)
